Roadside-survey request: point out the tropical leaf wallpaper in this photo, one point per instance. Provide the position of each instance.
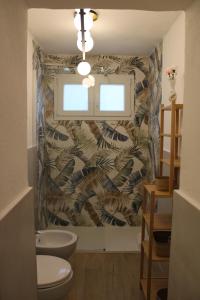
(91, 173)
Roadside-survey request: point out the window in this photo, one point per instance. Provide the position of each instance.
(75, 97)
(112, 97)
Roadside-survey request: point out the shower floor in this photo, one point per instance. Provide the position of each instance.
(103, 276)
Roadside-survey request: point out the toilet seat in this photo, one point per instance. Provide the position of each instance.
(52, 271)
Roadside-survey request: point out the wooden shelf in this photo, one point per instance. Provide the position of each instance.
(169, 107)
(162, 222)
(156, 285)
(177, 162)
(155, 257)
(153, 221)
(177, 135)
(153, 188)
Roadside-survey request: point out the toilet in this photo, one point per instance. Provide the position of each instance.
(54, 277)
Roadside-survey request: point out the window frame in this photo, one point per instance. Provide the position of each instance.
(94, 112)
(60, 81)
(113, 79)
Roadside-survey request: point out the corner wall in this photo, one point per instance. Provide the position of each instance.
(173, 54)
(184, 259)
(191, 141)
(17, 249)
(13, 100)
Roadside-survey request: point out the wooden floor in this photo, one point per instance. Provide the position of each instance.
(105, 276)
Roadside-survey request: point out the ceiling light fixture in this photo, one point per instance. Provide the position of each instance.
(84, 68)
(83, 20)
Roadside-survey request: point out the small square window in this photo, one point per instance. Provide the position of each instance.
(112, 97)
(75, 97)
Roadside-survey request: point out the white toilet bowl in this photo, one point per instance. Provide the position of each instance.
(54, 277)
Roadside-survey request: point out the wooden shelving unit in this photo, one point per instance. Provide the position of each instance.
(151, 220)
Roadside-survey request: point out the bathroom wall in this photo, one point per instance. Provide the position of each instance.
(31, 122)
(123, 152)
(17, 249)
(173, 55)
(184, 265)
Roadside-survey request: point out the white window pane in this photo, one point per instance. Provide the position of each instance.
(112, 97)
(75, 97)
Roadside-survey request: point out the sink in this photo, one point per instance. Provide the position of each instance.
(60, 243)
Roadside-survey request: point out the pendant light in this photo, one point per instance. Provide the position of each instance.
(83, 20)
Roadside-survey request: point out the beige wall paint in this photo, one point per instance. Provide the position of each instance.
(127, 4)
(31, 104)
(13, 171)
(184, 258)
(190, 164)
(17, 247)
(173, 54)
(17, 250)
(185, 264)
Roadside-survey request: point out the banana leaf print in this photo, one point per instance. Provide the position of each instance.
(101, 142)
(55, 134)
(134, 179)
(112, 133)
(54, 219)
(137, 203)
(123, 174)
(81, 174)
(92, 213)
(64, 175)
(82, 199)
(91, 173)
(140, 114)
(111, 219)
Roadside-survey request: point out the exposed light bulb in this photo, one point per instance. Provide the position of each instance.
(88, 21)
(86, 82)
(92, 80)
(89, 43)
(84, 68)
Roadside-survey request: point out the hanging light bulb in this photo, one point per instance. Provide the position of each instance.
(92, 80)
(89, 43)
(86, 82)
(84, 68)
(88, 20)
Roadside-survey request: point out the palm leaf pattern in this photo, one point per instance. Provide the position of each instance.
(123, 174)
(112, 133)
(111, 219)
(54, 219)
(64, 175)
(91, 172)
(55, 134)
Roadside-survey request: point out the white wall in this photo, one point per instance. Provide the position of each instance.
(184, 259)
(173, 54)
(17, 249)
(13, 171)
(190, 164)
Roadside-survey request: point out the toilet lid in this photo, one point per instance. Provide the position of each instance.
(51, 270)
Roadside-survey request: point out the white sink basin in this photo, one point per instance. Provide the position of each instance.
(58, 243)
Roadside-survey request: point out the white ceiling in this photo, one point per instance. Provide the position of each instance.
(129, 32)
